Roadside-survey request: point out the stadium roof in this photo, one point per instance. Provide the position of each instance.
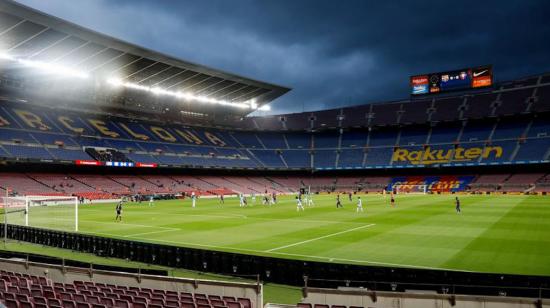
(32, 35)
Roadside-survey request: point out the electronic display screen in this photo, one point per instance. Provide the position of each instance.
(463, 79)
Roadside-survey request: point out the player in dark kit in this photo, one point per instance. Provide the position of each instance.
(392, 200)
(118, 211)
(350, 197)
(457, 205)
(338, 203)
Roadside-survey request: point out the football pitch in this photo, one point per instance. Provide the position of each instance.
(499, 234)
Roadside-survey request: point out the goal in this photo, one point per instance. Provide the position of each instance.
(50, 212)
(410, 189)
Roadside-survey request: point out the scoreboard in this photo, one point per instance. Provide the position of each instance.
(463, 79)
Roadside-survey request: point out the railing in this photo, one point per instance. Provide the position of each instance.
(542, 291)
(288, 271)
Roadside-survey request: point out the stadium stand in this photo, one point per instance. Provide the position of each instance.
(23, 287)
(48, 138)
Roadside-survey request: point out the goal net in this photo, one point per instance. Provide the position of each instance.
(50, 212)
(410, 189)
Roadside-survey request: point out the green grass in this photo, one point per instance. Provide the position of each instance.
(499, 234)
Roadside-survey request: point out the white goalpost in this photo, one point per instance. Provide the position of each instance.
(50, 212)
(410, 189)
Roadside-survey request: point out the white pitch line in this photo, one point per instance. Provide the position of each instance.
(119, 224)
(319, 238)
(152, 232)
(329, 259)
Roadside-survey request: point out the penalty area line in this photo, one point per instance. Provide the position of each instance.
(319, 238)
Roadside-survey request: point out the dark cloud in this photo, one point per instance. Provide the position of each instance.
(332, 53)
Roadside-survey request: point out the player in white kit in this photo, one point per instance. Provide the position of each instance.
(241, 200)
(359, 205)
(193, 199)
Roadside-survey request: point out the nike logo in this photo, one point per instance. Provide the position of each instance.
(479, 73)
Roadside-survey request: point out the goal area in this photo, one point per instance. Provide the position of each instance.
(410, 189)
(49, 212)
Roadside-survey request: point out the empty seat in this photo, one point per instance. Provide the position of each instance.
(69, 303)
(245, 302)
(120, 303)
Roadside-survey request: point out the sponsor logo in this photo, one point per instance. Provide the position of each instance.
(419, 80)
(87, 162)
(420, 89)
(430, 156)
(483, 81)
(146, 165)
(477, 74)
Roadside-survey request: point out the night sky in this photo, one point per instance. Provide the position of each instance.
(331, 53)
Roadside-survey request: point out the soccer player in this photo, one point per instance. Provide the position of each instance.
(338, 203)
(392, 200)
(309, 200)
(253, 198)
(457, 205)
(274, 197)
(151, 201)
(193, 199)
(299, 206)
(359, 205)
(221, 199)
(241, 200)
(350, 196)
(118, 210)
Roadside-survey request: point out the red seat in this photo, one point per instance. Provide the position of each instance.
(26, 305)
(54, 302)
(120, 303)
(202, 301)
(39, 300)
(245, 302)
(11, 303)
(231, 304)
(67, 303)
(107, 301)
(92, 299)
(82, 305)
(157, 301)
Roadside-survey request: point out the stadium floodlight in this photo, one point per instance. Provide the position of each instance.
(47, 67)
(181, 95)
